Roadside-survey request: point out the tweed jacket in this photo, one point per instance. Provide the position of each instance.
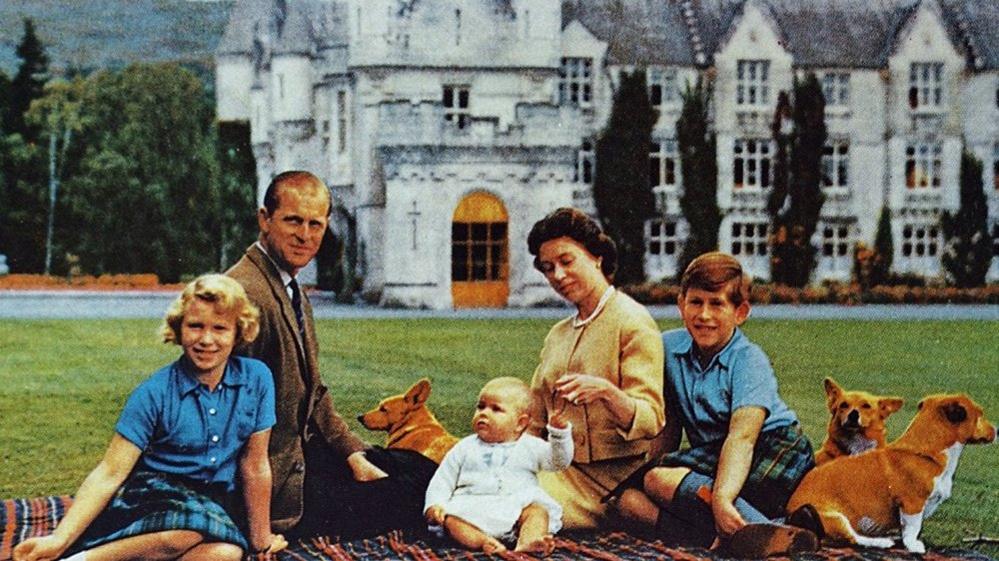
(623, 345)
(303, 402)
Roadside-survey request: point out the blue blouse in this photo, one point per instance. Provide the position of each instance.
(184, 429)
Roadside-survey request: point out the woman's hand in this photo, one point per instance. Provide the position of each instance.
(40, 549)
(582, 389)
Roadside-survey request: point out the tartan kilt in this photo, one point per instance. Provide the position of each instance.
(150, 502)
(781, 458)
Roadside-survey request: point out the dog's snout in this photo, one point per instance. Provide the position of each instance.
(853, 417)
(360, 418)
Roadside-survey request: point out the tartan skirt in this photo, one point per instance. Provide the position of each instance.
(150, 502)
(781, 458)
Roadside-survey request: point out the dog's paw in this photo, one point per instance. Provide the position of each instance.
(880, 543)
(914, 546)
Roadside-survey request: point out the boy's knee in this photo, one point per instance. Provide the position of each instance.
(661, 483)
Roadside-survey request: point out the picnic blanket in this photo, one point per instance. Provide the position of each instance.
(24, 518)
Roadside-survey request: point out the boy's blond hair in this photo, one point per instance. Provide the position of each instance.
(717, 271)
(228, 297)
(515, 388)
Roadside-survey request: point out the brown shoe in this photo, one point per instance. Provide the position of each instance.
(755, 541)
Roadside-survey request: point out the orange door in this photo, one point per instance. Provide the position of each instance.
(479, 261)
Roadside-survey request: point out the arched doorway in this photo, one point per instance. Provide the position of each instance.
(479, 256)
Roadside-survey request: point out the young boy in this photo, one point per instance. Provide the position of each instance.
(747, 452)
(487, 486)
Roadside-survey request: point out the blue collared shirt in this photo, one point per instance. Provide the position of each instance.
(184, 429)
(739, 375)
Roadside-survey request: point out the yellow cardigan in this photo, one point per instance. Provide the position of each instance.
(622, 344)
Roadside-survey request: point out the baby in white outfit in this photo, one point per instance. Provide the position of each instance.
(487, 485)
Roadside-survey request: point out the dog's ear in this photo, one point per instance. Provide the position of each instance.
(955, 412)
(889, 405)
(417, 394)
(833, 391)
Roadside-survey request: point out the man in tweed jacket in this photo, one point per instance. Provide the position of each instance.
(311, 446)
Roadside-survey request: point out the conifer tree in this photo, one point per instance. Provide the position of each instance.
(29, 83)
(795, 211)
(699, 169)
(967, 251)
(621, 190)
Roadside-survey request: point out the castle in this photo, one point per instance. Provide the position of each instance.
(446, 128)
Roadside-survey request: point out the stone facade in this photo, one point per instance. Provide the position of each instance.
(447, 127)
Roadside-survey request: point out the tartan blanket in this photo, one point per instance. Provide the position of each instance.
(25, 518)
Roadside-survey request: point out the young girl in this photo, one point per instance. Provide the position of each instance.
(166, 485)
(487, 484)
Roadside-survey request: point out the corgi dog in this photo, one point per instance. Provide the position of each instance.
(865, 498)
(410, 424)
(856, 423)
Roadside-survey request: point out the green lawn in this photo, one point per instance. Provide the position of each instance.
(62, 384)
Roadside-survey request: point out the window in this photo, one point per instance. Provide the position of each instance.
(925, 85)
(662, 237)
(751, 165)
(341, 121)
(836, 88)
(583, 172)
(995, 166)
(456, 105)
(664, 165)
(752, 82)
(662, 87)
(835, 165)
(749, 238)
(920, 242)
(478, 251)
(575, 81)
(835, 250)
(922, 165)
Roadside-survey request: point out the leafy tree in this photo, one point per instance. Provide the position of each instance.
(147, 189)
(967, 251)
(57, 117)
(699, 169)
(621, 190)
(795, 204)
(29, 82)
(23, 214)
(5, 97)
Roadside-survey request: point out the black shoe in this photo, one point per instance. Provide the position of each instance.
(755, 541)
(808, 518)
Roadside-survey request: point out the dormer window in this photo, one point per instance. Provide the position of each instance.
(836, 89)
(925, 85)
(575, 81)
(456, 109)
(752, 82)
(662, 87)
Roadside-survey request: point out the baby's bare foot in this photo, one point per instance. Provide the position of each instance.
(492, 545)
(543, 545)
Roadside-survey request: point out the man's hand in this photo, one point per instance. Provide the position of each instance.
(362, 469)
(727, 519)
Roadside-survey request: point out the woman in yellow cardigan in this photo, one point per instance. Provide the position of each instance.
(603, 366)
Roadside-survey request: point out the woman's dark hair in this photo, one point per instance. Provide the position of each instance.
(573, 223)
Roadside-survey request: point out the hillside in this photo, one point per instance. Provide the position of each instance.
(95, 34)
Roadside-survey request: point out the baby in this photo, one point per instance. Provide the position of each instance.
(486, 488)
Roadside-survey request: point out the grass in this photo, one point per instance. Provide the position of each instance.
(62, 384)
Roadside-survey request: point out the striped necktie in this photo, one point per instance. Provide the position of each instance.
(296, 304)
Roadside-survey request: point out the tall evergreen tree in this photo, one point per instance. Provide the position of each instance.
(967, 251)
(621, 190)
(795, 210)
(237, 191)
(699, 170)
(29, 83)
(884, 249)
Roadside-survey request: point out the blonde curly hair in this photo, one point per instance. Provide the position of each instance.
(228, 297)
